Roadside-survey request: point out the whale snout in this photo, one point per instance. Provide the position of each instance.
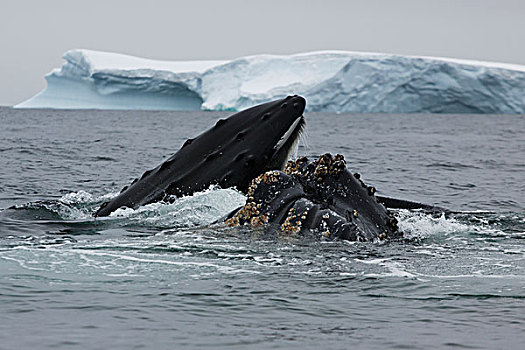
(296, 102)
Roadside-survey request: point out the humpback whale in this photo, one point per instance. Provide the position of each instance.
(250, 151)
(320, 195)
(230, 154)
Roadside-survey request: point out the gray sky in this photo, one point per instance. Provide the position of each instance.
(35, 34)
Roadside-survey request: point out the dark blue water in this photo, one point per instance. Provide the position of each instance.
(160, 276)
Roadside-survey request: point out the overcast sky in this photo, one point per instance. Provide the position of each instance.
(35, 34)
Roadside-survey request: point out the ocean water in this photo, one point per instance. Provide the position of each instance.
(162, 277)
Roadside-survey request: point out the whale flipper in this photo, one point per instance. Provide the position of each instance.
(395, 203)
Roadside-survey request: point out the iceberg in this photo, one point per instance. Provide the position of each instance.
(334, 81)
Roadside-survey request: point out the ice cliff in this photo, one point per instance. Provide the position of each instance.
(335, 81)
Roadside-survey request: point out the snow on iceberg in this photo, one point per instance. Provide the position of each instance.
(337, 81)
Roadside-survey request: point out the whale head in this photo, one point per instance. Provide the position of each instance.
(230, 154)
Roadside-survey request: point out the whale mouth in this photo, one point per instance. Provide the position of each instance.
(284, 148)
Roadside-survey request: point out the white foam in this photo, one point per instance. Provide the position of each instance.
(420, 224)
(201, 208)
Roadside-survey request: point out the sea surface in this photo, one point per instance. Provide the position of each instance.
(162, 277)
